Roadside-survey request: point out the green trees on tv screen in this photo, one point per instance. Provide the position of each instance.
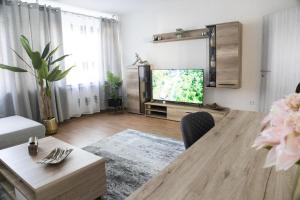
(178, 85)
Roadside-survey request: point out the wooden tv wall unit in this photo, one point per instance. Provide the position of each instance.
(225, 51)
(176, 112)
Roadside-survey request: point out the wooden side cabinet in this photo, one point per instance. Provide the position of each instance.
(138, 88)
(229, 55)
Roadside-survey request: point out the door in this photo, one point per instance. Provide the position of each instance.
(280, 59)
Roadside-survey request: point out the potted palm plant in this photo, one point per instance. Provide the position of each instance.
(41, 68)
(114, 84)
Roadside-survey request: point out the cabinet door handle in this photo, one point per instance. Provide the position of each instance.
(226, 84)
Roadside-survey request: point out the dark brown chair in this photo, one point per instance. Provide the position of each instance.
(298, 88)
(194, 126)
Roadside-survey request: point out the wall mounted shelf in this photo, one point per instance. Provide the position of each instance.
(185, 35)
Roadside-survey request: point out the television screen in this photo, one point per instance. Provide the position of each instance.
(182, 85)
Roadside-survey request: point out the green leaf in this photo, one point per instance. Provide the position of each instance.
(113, 80)
(26, 45)
(36, 60)
(20, 57)
(43, 70)
(52, 52)
(63, 74)
(53, 74)
(25, 39)
(13, 69)
(59, 59)
(46, 50)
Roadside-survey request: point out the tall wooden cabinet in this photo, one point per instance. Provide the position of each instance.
(226, 70)
(138, 88)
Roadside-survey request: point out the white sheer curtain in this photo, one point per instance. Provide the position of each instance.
(111, 52)
(82, 39)
(111, 48)
(18, 92)
(95, 48)
(280, 61)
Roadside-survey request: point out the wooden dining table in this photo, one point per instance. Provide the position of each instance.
(222, 165)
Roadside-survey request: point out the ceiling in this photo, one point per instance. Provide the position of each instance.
(113, 6)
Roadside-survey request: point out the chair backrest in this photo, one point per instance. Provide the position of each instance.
(194, 126)
(298, 88)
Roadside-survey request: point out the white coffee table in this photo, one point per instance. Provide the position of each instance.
(80, 176)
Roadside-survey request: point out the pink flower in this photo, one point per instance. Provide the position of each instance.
(284, 155)
(271, 136)
(281, 132)
(293, 101)
(279, 111)
(293, 121)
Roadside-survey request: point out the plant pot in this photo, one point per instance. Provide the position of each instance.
(51, 126)
(115, 102)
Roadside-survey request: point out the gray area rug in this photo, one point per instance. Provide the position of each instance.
(132, 158)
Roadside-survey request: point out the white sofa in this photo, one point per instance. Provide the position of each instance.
(16, 130)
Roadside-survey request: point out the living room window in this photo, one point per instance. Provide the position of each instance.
(93, 41)
(82, 39)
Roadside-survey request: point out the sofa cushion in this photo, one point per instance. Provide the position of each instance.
(16, 130)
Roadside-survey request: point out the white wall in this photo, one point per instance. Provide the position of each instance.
(138, 27)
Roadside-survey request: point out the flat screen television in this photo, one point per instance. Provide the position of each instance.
(178, 85)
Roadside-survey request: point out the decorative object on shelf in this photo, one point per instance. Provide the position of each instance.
(213, 61)
(212, 39)
(56, 156)
(33, 146)
(114, 84)
(40, 68)
(215, 106)
(281, 136)
(139, 61)
(212, 84)
(204, 33)
(179, 32)
(155, 37)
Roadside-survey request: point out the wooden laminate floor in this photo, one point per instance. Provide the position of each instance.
(89, 129)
